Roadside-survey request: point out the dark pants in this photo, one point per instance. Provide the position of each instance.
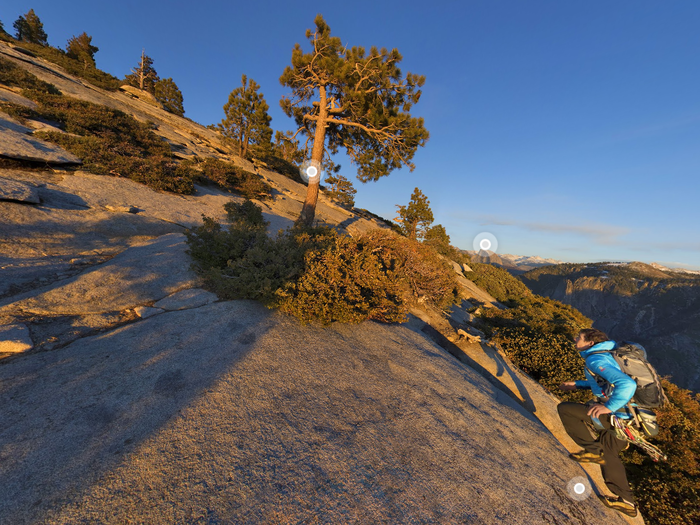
(574, 418)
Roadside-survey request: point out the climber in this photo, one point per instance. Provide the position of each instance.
(589, 425)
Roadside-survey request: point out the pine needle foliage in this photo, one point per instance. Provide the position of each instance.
(352, 99)
(247, 123)
(29, 28)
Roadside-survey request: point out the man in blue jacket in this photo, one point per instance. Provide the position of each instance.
(613, 389)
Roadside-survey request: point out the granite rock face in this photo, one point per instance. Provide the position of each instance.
(240, 414)
(17, 191)
(17, 145)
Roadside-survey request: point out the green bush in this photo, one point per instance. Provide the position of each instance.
(316, 274)
(498, 282)
(425, 277)
(110, 142)
(345, 282)
(75, 67)
(12, 75)
(229, 176)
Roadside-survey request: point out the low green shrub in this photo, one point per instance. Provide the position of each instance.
(498, 282)
(668, 492)
(347, 282)
(316, 274)
(75, 67)
(229, 176)
(12, 75)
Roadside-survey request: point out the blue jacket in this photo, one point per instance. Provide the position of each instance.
(618, 387)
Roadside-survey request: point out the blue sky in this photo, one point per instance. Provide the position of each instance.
(568, 130)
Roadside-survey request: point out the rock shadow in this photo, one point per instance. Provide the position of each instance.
(70, 416)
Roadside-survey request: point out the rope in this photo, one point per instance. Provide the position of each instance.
(629, 433)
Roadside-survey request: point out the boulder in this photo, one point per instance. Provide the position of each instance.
(143, 273)
(144, 312)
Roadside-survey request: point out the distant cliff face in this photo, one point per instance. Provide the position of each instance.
(659, 309)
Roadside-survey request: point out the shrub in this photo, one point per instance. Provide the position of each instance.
(498, 282)
(668, 492)
(12, 75)
(425, 277)
(110, 142)
(75, 67)
(228, 176)
(316, 274)
(346, 282)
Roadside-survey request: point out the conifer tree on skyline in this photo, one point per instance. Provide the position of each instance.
(247, 123)
(357, 100)
(416, 217)
(168, 94)
(30, 29)
(144, 75)
(80, 48)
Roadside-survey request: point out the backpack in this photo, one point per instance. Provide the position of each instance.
(632, 359)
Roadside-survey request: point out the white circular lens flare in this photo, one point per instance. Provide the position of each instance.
(485, 242)
(579, 489)
(311, 171)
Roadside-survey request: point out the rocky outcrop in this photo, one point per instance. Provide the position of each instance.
(11, 190)
(16, 144)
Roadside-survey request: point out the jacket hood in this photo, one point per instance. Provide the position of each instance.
(605, 345)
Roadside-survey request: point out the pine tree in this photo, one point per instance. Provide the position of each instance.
(144, 76)
(168, 94)
(80, 48)
(340, 190)
(287, 147)
(345, 97)
(30, 29)
(416, 218)
(437, 238)
(247, 123)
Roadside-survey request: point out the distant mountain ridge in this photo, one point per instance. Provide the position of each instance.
(514, 263)
(653, 305)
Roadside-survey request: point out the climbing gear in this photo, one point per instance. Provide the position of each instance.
(619, 504)
(626, 431)
(583, 456)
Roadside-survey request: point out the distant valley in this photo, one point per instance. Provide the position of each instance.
(653, 305)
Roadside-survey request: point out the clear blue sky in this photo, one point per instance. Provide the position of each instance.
(566, 129)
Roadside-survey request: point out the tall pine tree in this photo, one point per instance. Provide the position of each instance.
(358, 100)
(247, 124)
(30, 29)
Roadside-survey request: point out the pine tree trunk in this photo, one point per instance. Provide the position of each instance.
(308, 212)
